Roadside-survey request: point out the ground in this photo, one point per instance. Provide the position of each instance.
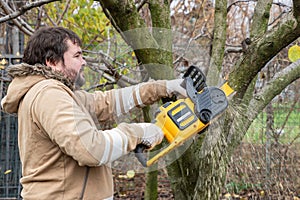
(252, 174)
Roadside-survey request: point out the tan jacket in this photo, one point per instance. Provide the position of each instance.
(59, 143)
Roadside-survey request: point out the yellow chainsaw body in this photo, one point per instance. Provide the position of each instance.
(185, 123)
(179, 122)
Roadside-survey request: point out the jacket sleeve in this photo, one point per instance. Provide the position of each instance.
(107, 105)
(67, 123)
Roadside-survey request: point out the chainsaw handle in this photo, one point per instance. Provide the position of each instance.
(139, 154)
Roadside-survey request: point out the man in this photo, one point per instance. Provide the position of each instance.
(63, 153)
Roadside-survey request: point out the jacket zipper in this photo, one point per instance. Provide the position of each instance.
(84, 182)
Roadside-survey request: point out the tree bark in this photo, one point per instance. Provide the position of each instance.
(131, 26)
(152, 48)
(218, 44)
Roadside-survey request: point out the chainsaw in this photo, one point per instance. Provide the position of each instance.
(184, 118)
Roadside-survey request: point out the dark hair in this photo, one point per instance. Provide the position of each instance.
(49, 44)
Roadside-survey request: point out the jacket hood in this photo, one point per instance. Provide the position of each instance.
(24, 77)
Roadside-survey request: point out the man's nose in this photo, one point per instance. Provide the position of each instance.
(83, 61)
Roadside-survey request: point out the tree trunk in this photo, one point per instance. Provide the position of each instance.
(152, 51)
(151, 176)
(152, 48)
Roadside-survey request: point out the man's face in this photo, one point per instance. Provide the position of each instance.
(73, 63)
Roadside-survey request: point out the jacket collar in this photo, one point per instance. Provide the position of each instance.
(24, 77)
(24, 69)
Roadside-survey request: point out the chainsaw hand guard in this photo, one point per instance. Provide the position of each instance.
(139, 153)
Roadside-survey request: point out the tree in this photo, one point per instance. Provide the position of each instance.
(203, 178)
(214, 150)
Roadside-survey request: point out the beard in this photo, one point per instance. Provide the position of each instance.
(77, 78)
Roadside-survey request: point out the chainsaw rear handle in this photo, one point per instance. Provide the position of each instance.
(139, 154)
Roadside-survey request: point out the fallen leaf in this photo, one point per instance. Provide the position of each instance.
(130, 173)
(122, 176)
(236, 196)
(227, 195)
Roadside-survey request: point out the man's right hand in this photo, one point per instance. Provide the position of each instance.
(153, 135)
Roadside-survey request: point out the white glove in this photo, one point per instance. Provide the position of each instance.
(174, 87)
(153, 135)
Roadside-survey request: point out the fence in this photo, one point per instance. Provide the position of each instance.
(267, 164)
(10, 166)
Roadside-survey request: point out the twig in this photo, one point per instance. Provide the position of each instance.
(21, 24)
(289, 113)
(50, 19)
(64, 12)
(100, 86)
(1, 90)
(21, 10)
(141, 4)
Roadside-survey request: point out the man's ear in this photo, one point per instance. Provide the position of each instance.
(49, 63)
(53, 65)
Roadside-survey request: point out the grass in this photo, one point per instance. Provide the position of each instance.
(283, 117)
(237, 187)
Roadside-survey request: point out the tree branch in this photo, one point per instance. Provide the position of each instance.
(296, 10)
(218, 43)
(134, 31)
(14, 14)
(259, 52)
(64, 12)
(108, 68)
(20, 23)
(50, 19)
(260, 18)
(23, 26)
(273, 88)
(139, 7)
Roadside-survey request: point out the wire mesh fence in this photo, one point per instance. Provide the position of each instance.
(252, 176)
(267, 164)
(10, 166)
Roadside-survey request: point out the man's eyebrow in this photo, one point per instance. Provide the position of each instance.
(78, 52)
